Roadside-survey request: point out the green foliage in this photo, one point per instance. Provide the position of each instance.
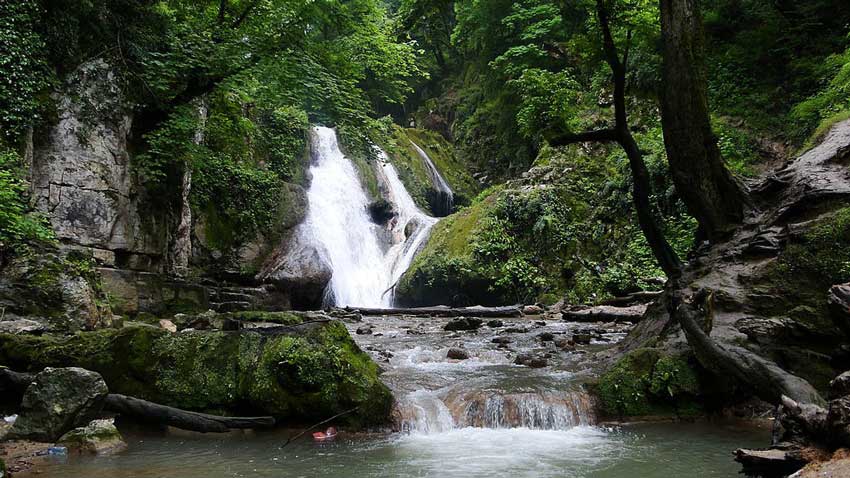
(830, 103)
(18, 224)
(646, 381)
(22, 67)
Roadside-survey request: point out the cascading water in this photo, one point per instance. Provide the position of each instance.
(363, 272)
(445, 195)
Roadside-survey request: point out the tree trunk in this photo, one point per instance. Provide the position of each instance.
(181, 251)
(764, 378)
(641, 188)
(710, 192)
(150, 412)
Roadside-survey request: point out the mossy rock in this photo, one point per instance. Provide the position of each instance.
(298, 375)
(648, 382)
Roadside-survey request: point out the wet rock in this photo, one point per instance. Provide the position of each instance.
(840, 386)
(364, 330)
(457, 353)
(58, 400)
(302, 269)
(516, 330)
(531, 361)
(532, 310)
(546, 337)
(582, 338)
(540, 323)
(167, 325)
(99, 437)
(463, 323)
(838, 418)
(502, 340)
(565, 344)
(494, 324)
(21, 326)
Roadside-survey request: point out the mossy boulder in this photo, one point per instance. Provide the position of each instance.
(98, 437)
(61, 289)
(298, 373)
(59, 400)
(648, 382)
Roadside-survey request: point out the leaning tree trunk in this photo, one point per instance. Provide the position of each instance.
(710, 192)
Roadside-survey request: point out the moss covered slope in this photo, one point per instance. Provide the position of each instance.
(565, 229)
(300, 374)
(414, 173)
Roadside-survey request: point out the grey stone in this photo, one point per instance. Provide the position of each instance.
(457, 353)
(59, 400)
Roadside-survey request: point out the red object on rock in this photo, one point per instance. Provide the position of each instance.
(326, 435)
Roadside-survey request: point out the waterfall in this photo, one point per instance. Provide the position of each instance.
(445, 195)
(409, 229)
(364, 269)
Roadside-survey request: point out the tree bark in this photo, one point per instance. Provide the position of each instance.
(710, 192)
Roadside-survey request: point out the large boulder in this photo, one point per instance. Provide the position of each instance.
(297, 372)
(59, 400)
(99, 437)
(301, 268)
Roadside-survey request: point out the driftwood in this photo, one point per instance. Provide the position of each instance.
(641, 297)
(508, 311)
(604, 313)
(147, 412)
(160, 414)
(769, 463)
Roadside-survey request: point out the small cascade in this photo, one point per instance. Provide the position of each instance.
(409, 228)
(427, 412)
(364, 269)
(445, 196)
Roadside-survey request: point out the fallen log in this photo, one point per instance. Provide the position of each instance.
(641, 297)
(16, 384)
(604, 313)
(161, 414)
(769, 463)
(442, 311)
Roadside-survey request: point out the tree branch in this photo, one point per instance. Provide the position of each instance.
(241, 18)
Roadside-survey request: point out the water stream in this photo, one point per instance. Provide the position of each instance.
(480, 417)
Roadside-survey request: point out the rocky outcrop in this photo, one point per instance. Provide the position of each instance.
(81, 176)
(300, 268)
(57, 401)
(758, 303)
(58, 290)
(299, 372)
